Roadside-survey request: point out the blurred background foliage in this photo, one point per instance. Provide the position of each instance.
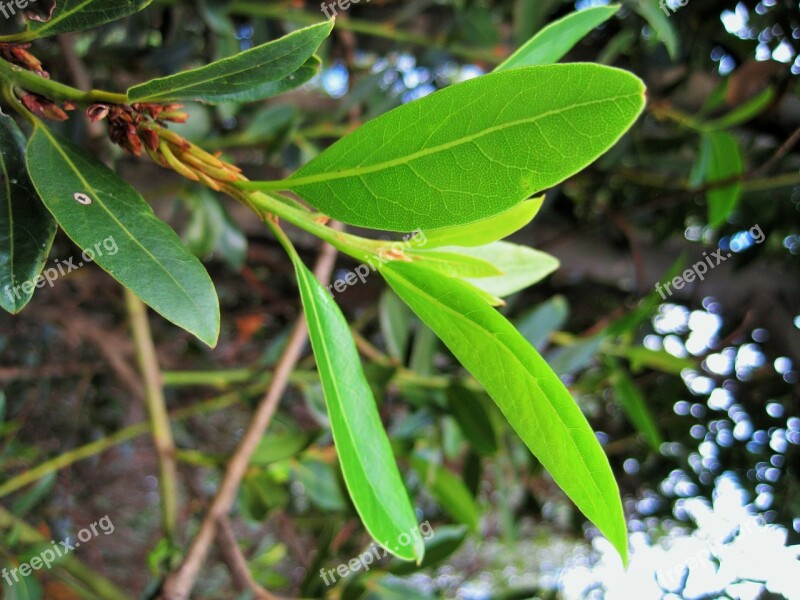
(694, 396)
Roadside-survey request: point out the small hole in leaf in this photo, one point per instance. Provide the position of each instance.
(82, 198)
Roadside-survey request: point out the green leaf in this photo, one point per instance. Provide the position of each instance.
(449, 492)
(255, 74)
(472, 150)
(321, 484)
(210, 229)
(455, 264)
(635, 407)
(438, 548)
(26, 228)
(529, 394)
(521, 267)
(722, 158)
(537, 325)
(129, 242)
(368, 464)
(275, 447)
(396, 321)
(659, 22)
(743, 113)
(553, 42)
(473, 417)
(485, 231)
(568, 360)
(79, 15)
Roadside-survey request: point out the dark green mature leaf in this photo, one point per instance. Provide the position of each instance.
(744, 112)
(78, 15)
(722, 160)
(104, 215)
(439, 546)
(368, 464)
(255, 74)
(449, 491)
(26, 228)
(529, 394)
(553, 42)
(472, 415)
(501, 138)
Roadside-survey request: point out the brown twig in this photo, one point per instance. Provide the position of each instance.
(236, 562)
(179, 585)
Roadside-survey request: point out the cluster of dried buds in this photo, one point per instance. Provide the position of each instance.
(44, 108)
(127, 124)
(17, 54)
(141, 127)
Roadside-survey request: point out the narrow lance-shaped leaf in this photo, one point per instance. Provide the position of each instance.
(553, 42)
(449, 491)
(109, 219)
(472, 150)
(368, 464)
(634, 405)
(722, 159)
(78, 15)
(26, 228)
(529, 394)
(252, 75)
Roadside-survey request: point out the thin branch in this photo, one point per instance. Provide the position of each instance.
(237, 563)
(178, 586)
(160, 426)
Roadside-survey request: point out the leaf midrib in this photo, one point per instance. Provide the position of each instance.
(292, 182)
(461, 317)
(96, 197)
(10, 222)
(335, 383)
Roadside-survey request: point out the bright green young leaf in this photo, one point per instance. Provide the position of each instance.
(26, 228)
(104, 215)
(529, 394)
(455, 264)
(722, 158)
(635, 407)
(485, 231)
(659, 22)
(449, 491)
(255, 74)
(472, 150)
(368, 464)
(521, 266)
(78, 15)
(553, 42)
